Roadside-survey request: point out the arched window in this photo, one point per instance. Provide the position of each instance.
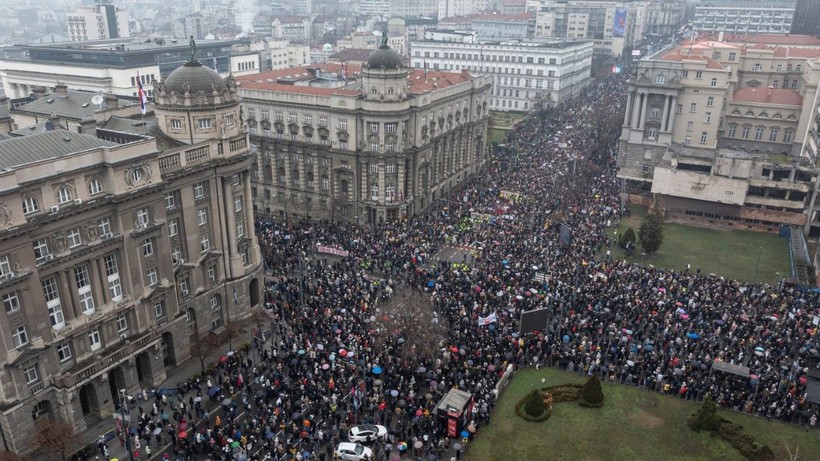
(95, 186)
(713, 82)
(64, 194)
(763, 115)
(30, 204)
(749, 113)
(390, 193)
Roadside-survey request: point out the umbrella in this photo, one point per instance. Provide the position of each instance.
(223, 358)
(428, 396)
(419, 412)
(183, 434)
(234, 444)
(720, 322)
(394, 393)
(350, 354)
(301, 352)
(422, 370)
(269, 435)
(418, 444)
(464, 434)
(402, 403)
(491, 367)
(803, 380)
(431, 284)
(649, 347)
(377, 370)
(630, 363)
(343, 352)
(332, 357)
(759, 349)
(165, 416)
(305, 454)
(402, 446)
(759, 353)
(457, 446)
(377, 382)
(158, 431)
(213, 391)
(693, 335)
(325, 366)
(321, 347)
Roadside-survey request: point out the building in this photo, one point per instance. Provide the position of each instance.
(806, 19)
(413, 8)
(104, 66)
(374, 7)
(665, 17)
(120, 249)
(102, 20)
(195, 24)
(493, 26)
(296, 29)
(380, 142)
(451, 8)
(615, 26)
(724, 129)
(744, 16)
(524, 74)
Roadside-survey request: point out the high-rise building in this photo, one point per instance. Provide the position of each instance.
(363, 143)
(102, 20)
(120, 249)
(806, 18)
(724, 128)
(744, 16)
(665, 17)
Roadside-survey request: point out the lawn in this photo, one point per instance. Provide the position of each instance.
(735, 254)
(632, 425)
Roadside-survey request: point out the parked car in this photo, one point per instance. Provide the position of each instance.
(366, 433)
(352, 452)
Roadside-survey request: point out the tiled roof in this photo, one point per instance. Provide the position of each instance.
(773, 39)
(522, 17)
(28, 149)
(792, 52)
(777, 96)
(77, 105)
(143, 128)
(4, 111)
(677, 54)
(434, 80)
(37, 128)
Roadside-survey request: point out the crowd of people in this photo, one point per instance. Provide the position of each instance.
(381, 334)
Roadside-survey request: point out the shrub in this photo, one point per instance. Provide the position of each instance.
(706, 417)
(627, 237)
(563, 392)
(521, 408)
(749, 447)
(591, 394)
(534, 403)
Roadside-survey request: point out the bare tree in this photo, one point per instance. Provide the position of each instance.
(54, 435)
(10, 456)
(203, 346)
(409, 322)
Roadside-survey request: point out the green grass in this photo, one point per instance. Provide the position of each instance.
(632, 425)
(728, 253)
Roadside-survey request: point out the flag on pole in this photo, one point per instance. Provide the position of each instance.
(344, 71)
(484, 321)
(141, 94)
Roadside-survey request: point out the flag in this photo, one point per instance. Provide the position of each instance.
(235, 297)
(141, 94)
(344, 72)
(484, 321)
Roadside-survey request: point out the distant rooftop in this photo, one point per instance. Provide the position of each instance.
(127, 44)
(779, 96)
(75, 105)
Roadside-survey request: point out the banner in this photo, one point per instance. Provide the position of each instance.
(332, 250)
(484, 321)
(619, 24)
(512, 196)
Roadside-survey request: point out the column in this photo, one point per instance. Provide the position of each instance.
(67, 294)
(230, 219)
(672, 111)
(248, 206)
(97, 282)
(643, 111)
(629, 101)
(636, 110)
(665, 113)
(400, 192)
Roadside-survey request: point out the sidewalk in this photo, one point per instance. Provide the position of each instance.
(174, 375)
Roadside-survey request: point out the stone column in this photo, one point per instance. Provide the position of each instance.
(642, 123)
(671, 122)
(665, 113)
(636, 103)
(247, 205)
(400, 192)
(66, 295)
(629, 102)
(230, 220)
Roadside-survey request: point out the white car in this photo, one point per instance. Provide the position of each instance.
(366, 433)
(352, 452)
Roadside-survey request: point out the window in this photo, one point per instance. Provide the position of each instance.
(732, 56)
(30, 204)
(51, 294)
(94, 186)
(41, 249)
(83, 282)
(159, 310)
(744, 132)
(794, 83)
(176, 124)
(214, 301)
(698, 75)
(690, 125)
(104, 227)
(373, 127)
(685, 74)
(775, 83)
(660, 78)
(212, 273)
(703, 136)
(240, 227)
(64, 195)
(112, 272)
(374, 191)
(343, 125)
(757, 67)
(374, 168)
(20, 337)
(205, 243)
(759, 133)
(73, 238)
(142, 218)
(390, 127)
(309, 120)
(693, 107)
(5, 265)
(707, 117)
(199, 190)
(11, 301)
(322, 120)
(176, 255)
(170, 201)
(687, 140)
(325, 183)
(204, 123)
(173, 227)
(229, 120)
(122, 323)
(63, 352)
(151, 276)
(732, 131)
(710, 101)
(787, 136)
(148, 247)
(679, 109)
(797, 68)
(202, 216)
(237, 203)
(773, 134)
(374, 147)
(31, 375)
(713, 82)
(391, 168)
(94, 340)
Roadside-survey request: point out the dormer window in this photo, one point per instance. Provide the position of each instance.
(176, 124)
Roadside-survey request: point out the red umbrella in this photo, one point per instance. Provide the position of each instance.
(343, 352)
(182, 435)
(419, 412)
(223, 358)
(802, 380)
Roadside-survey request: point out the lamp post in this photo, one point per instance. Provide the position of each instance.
(126, 426)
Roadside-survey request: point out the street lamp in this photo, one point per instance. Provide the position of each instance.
(126, 423)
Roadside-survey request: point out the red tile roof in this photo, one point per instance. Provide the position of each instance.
(773, 39)
(679, 55)
(435, 80)
(777, 96)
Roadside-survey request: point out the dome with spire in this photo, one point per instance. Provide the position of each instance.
(384, 58)
(193, 77)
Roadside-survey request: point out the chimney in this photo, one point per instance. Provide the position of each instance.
(465, 73)
(111, 101)
(720, 36)
(61, 90)
(38, 92)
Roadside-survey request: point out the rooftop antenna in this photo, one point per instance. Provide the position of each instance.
(97, 100)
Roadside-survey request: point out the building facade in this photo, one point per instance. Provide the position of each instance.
(100, 21)
(119, 250)
(380, 142)
(806, 19)
(744, 16)
(724, 127)
(524, 74)
(665, 17)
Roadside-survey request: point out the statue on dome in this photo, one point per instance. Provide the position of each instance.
(193, 49)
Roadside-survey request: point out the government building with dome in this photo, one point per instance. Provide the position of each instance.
(362, 143)
(120, 247)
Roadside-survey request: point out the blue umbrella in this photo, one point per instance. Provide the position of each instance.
(213, 391)
(649, 347)
(505, 262)
(693, 335)
(431, 284)
(269, 435)
(377, 370)
(332, 357)
(758, 348)
(565, 338)
(464, 434)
